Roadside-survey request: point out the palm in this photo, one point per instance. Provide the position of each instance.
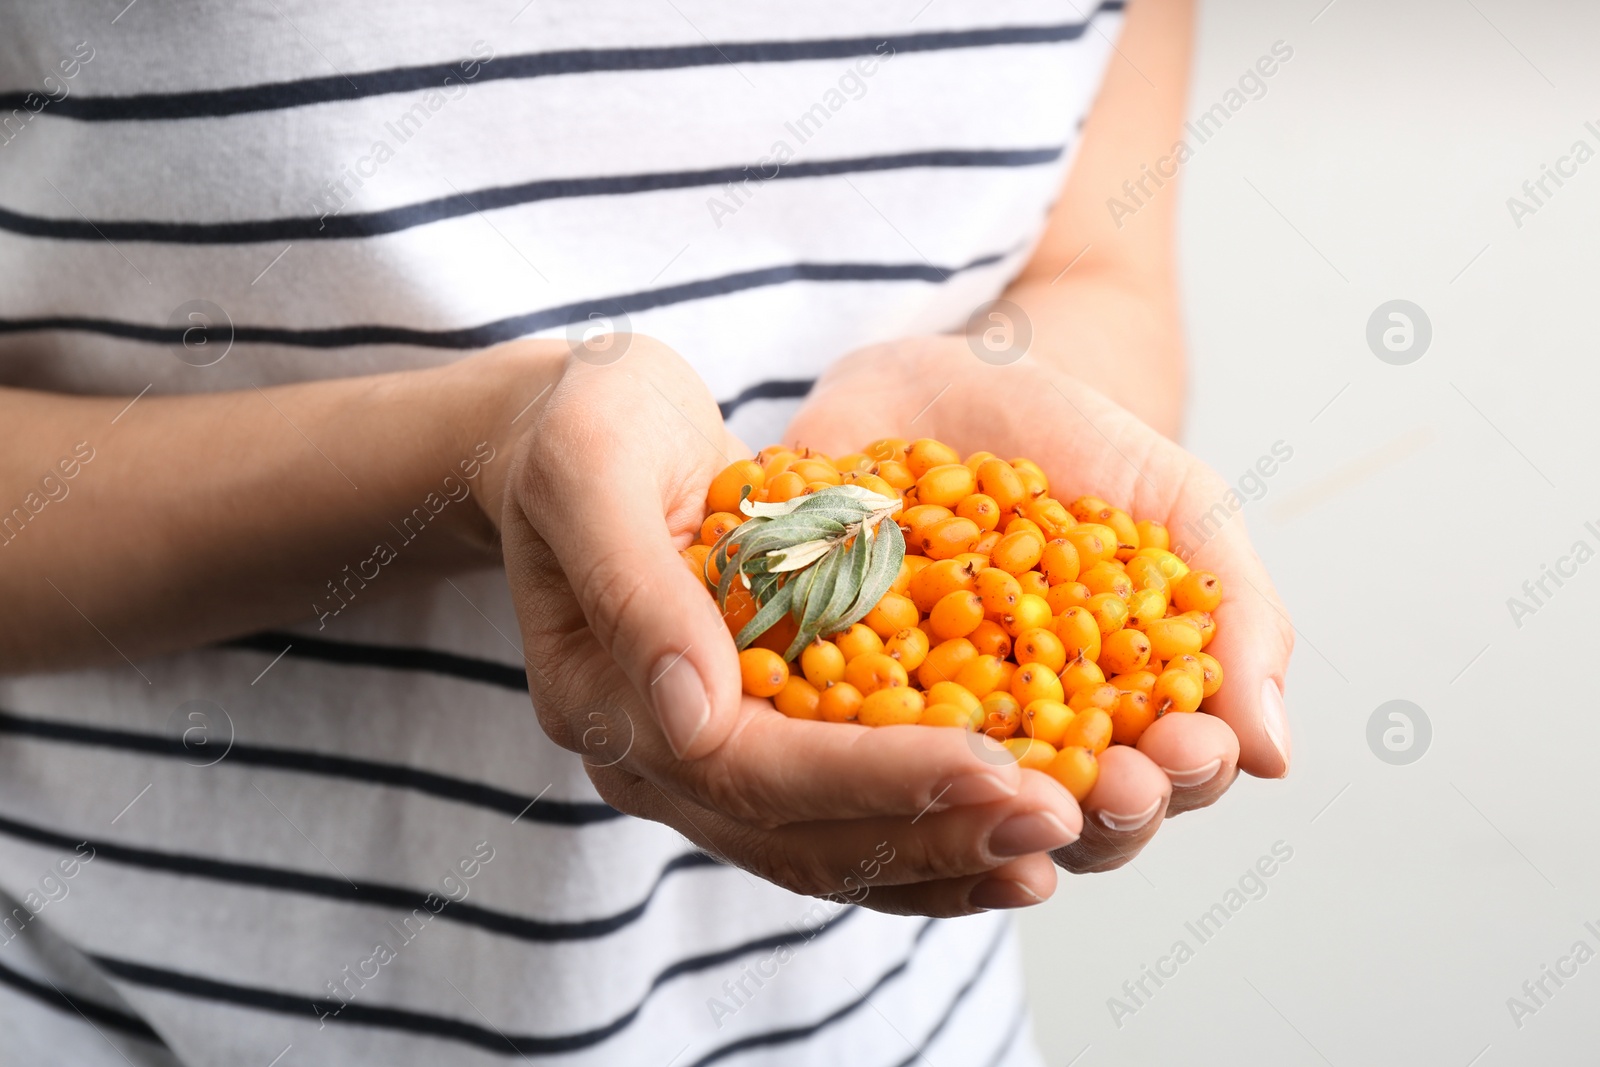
(1087, 445)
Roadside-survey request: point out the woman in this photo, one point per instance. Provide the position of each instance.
(364, 376)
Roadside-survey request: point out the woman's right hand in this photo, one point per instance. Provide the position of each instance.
(632, 666)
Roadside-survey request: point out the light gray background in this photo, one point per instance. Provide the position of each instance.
(1419, 898)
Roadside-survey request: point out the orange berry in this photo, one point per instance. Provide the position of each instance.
(954, 693)
(717, 523)
(779, 636)
(695, 556)
(982, 510)
(1171, 566)
(1190, 665)
(1002, 715)
(1127, 532)
(1152, 534)
(839, 703)
(1211, 674)
(858, 641)
(896, 473)
(956, 614)
(762, 672)
(1146, 573)
(982, 675)
(1095, 543)
(938, 580)
(874, 671)
(990, 639)
(944, 661)
(909, 647)
(891, 614)
(1173, 636)
(1088, 508)
(1079, 633)
(1040, 645)
(926, 453)
(816, 470)
(1137, 682)
(1103, 696)
(1035, 681)
(998, 590)
(1081, 674)
(1022, 525)
(1034, 483)
(1145, 607)
(1030, 613)
(1076, 769)
(1204, 621)
(1035, 583)
(1049, 515)
(891, 707)
(1176, 691)
(1124, 651)
(1017, 552)
(1031, 752)
(950, 715)
(822, 663)
(728, 487)
(785, 486)
(1090, 729)
(948, 537)
(872, 482)
(1131, 716)
(1046, 719)
(1059, 562)
(947, 484)
(798, 699)
(740, 608)
(978, 459)
(1000, 482)
(1110, 611)
(1067, 595)
(987, 542)
(1198, 591)
(1107, 577)
(887, 448)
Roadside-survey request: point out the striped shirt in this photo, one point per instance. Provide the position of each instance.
(350, 843)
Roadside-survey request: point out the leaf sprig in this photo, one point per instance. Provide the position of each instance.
(825, 558)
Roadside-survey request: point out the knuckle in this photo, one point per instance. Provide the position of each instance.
(724, 789)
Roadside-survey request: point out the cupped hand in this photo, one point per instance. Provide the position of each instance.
(1087, 445)
(632, 665)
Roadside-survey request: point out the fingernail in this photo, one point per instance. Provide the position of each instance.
(1275, 720)
(679, 696)
(971, 789)
(1197, 776)
(994, 893)
(1023, 835)
(1128, 823)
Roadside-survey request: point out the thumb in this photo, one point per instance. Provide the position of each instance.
(613, 499)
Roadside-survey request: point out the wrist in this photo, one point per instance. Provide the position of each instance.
(492, 402)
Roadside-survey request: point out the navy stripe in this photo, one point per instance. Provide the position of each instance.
(393, 657)
(325, 224)
(791, 1034)
(77, 1007)
(371, 894)
(773, 390)
(920, 1052)
(306, 91)
(441, 1026)
(399, 776)
(491, 333)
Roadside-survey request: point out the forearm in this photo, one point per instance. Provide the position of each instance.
(1101, 291)
(198, 518)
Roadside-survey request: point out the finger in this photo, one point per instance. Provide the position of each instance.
(849, 858)
(772, 770)
(1198, 753)
(1121, 813)
(611, 502)
(1253, 642)
(1021, 883)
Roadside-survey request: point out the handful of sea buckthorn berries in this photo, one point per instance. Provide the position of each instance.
(903, 585)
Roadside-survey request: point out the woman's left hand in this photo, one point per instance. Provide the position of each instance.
(938, 387)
